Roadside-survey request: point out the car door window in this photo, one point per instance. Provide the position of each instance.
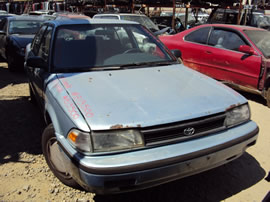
(226, 39)
(3, 25)
(45, 44)
(107, 17)
(199, 36)
(37, 39)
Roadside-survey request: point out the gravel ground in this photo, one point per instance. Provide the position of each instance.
(25, 176)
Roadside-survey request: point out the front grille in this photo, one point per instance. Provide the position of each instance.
(166, 133)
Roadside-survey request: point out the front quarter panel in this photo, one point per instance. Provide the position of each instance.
(63, 112)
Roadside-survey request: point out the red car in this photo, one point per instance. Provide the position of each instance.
(236, 55)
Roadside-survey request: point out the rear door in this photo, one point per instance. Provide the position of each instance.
(226, 63)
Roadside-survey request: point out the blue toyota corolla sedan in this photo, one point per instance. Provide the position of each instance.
(123, 114)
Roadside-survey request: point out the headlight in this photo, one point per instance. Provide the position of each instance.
(237, 115)
(116, 140)
(80, 140)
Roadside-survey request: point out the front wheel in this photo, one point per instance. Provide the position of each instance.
(54, 158)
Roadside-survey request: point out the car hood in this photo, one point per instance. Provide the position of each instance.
(146, 96)
(22, 40)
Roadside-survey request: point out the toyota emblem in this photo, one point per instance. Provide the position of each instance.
(189, 131)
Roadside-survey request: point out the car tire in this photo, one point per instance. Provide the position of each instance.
(11, 66)
(52, 156)
(268, 97)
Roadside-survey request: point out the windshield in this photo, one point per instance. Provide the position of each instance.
(86, 47)
(261, 39)
(143, 20)
(182, 18)
(24, 27)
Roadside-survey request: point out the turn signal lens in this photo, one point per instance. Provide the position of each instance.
(80, 140)
(72, 136)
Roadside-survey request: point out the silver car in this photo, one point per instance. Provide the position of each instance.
(122, 117)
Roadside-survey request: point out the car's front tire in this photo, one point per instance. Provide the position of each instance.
(53, 157)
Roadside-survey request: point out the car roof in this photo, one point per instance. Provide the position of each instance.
(72, 21)
(236, 27)
(71, 15)
(25, 17)
(117, 14)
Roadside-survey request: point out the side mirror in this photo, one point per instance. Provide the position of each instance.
(36, 62)
(176, 53)
(247, 49)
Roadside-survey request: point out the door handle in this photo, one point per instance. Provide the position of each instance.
(208, 52)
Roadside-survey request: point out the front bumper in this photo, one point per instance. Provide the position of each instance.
(150, 167)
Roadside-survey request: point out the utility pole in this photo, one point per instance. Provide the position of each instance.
(239, 12)
(173, 16)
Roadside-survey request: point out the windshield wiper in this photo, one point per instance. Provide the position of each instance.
(150, 64)
(105, 68)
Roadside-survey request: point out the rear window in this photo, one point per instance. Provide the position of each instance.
(261, 39)
(24, 26)
(198, 36)
(107, 17)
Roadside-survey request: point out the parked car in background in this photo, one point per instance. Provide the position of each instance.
(236, 55)
(15, 33)
(122, 118)
(166, 21)
(140, 18)
(229, 16)
(202, 17)
(181, 17)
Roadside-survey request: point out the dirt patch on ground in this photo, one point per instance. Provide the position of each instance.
(25, 176)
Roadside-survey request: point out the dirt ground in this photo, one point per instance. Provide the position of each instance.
(25, 176)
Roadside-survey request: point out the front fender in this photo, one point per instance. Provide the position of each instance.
(61, 109)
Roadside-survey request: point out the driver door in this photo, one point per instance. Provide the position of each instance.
(227, 63)
(40, 47)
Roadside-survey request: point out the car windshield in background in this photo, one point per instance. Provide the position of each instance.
(24, 26)
(191, 18)
(84, 47)
(261, 39)
(143, 20)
